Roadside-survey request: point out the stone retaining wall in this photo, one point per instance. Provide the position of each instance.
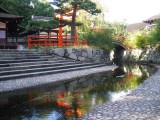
(84, 55)
(142, 56)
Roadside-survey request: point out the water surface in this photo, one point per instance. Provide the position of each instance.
(72, 99)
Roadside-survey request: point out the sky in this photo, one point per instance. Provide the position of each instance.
(130, 11)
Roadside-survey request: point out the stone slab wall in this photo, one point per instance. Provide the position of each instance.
(84, 55)
(142, 56)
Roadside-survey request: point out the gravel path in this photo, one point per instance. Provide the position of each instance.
(42, 80)
(143, 103)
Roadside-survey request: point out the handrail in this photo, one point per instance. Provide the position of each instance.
(53, 40)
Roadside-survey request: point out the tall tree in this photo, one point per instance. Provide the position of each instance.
(27, 8)
(18, 7)
(91, 22)
(76, 5)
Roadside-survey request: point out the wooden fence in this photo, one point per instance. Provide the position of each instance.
(52, 40)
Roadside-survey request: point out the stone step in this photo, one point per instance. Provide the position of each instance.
(22, 60)
(32, 74)
(21, 54)
(33, 63)
(30, 70)
(16, 50)
(33, 66)
(15, 64)
(26, 57)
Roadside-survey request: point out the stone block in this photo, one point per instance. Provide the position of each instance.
(74, 51)
(89, 51)
(79, 53)
(69, 50)
(81, 58)
(59, 51)
(94, 52)
(101, 51)
(84, 54)
(72, 56)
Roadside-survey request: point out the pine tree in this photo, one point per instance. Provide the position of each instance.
(76, 5)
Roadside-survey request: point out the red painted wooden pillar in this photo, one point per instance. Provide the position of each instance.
(75, 36)
(45, 41)
(29, 45)
(60, 40)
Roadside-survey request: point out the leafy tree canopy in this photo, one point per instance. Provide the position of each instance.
(144, 38)
(102, 39)
(18, 7)
(27, 8)
(86, 5)
(155, 34)
(43, 25)
(43, 9)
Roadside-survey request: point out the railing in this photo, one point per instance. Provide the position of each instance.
(52, 40)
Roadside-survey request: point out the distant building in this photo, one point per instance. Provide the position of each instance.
(43, 18)
(8, 26)
(146, 24)
(51, 31)
(136, 26)
(152, 19)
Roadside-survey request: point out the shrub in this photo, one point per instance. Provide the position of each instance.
(144, 38)
(138, 39)
(102, 39)
(155, 35)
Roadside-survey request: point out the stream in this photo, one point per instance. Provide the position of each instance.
(74, 98)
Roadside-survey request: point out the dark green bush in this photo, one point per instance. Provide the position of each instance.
(102, 39)
(155, 35)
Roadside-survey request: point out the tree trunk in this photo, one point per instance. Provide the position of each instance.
(73, 25)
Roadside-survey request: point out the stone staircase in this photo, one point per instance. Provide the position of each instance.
(15, 64)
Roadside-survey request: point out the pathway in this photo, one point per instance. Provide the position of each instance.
(16, 84)
(143, 103)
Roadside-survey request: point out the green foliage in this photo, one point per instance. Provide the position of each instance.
(118, 27)
(102, 39)
(141, 41)
(155, 35)
(43, 9)
(144, 38)
(111, 29)
(27, 8)
(138, 39)
(86, 5)
(90, 22)
(18, 7)
(42, 25)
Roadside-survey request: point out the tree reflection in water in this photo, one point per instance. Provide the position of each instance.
(74, 98)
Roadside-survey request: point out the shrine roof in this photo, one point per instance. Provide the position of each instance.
(136, 26)
(5, 15)
(152, 19)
